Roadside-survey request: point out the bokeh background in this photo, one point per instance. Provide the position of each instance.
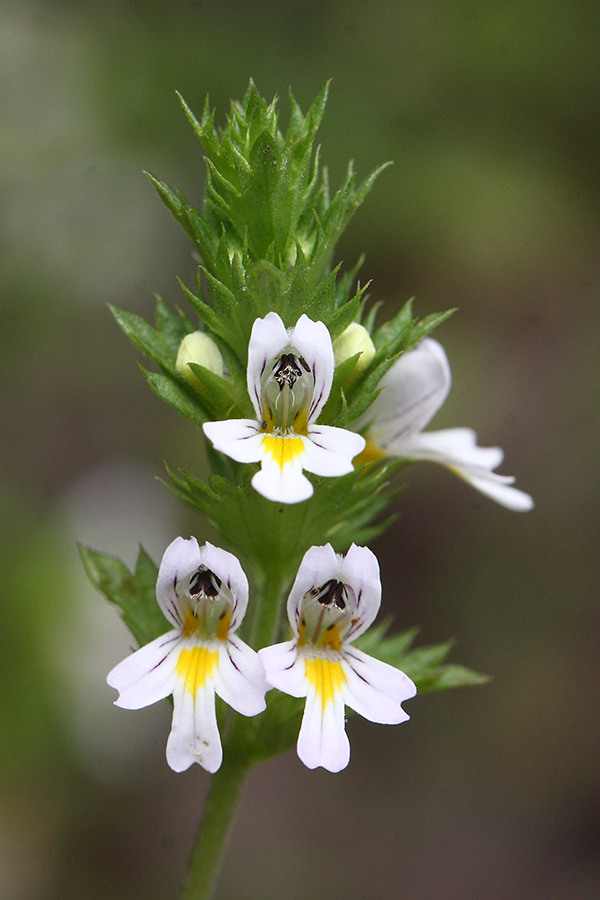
(491, 112)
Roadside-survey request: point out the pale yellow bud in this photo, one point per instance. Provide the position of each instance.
(355, 339)
(198, 348)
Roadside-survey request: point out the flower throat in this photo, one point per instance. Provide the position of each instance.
(287, 394)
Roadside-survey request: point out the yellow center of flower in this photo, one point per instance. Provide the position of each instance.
(195, 666)
(201, 621)
(326, 676)
(329, 638)
(282, 449)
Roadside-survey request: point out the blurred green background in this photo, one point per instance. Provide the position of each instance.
(491, 112)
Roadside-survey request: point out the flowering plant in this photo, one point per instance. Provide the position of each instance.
(306, 410)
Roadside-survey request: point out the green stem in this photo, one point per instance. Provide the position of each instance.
(219, 810)
(265, 623)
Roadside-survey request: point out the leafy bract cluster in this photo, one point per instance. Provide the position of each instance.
(266, 234)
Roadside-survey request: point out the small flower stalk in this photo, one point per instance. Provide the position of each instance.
(306, 402)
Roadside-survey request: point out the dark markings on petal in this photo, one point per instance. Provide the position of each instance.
(206, 583)
(332, 593)
(159, 663)
(172, 607)
(232, 661)
(350, 656)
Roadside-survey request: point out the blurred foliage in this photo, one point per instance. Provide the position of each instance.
(490, 112)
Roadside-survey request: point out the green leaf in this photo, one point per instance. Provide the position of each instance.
(178, 397)
(425, 665)
(132, 592)
(155, 346)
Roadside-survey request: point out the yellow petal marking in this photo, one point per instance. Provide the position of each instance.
(195, 623)
(326, 676)
(283, 449)
(222, 631)
(331, 638)
(195, 666)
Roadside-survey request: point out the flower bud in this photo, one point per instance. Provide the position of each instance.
(355, 339)
(198, 348)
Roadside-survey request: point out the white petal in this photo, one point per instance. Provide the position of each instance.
(451, 447)
(319, 565)
(180, 559)
(313, 342)
(359, 569)
(284, 668)
(497, 488)
(457, 449)
(280, 478)
(330, 451)
(240, 678)
(194, 736)
(323, 740)
(268, 339)
(147, 675)
(227, 567)
(413, 390)
(237, 438)
(375, 689)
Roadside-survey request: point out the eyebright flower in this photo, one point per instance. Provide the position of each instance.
(413, 390)
(334, 599)
(290, 373)
(203, 592)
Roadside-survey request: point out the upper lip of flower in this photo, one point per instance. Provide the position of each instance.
(186, 567)
(351, 580)
(280, 358)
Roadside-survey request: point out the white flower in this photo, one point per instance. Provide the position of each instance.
(290, 373)
(203, 592)
(333, 600)
(413, 390)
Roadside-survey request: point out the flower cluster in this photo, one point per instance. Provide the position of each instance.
(304, 406)
(203, 591)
